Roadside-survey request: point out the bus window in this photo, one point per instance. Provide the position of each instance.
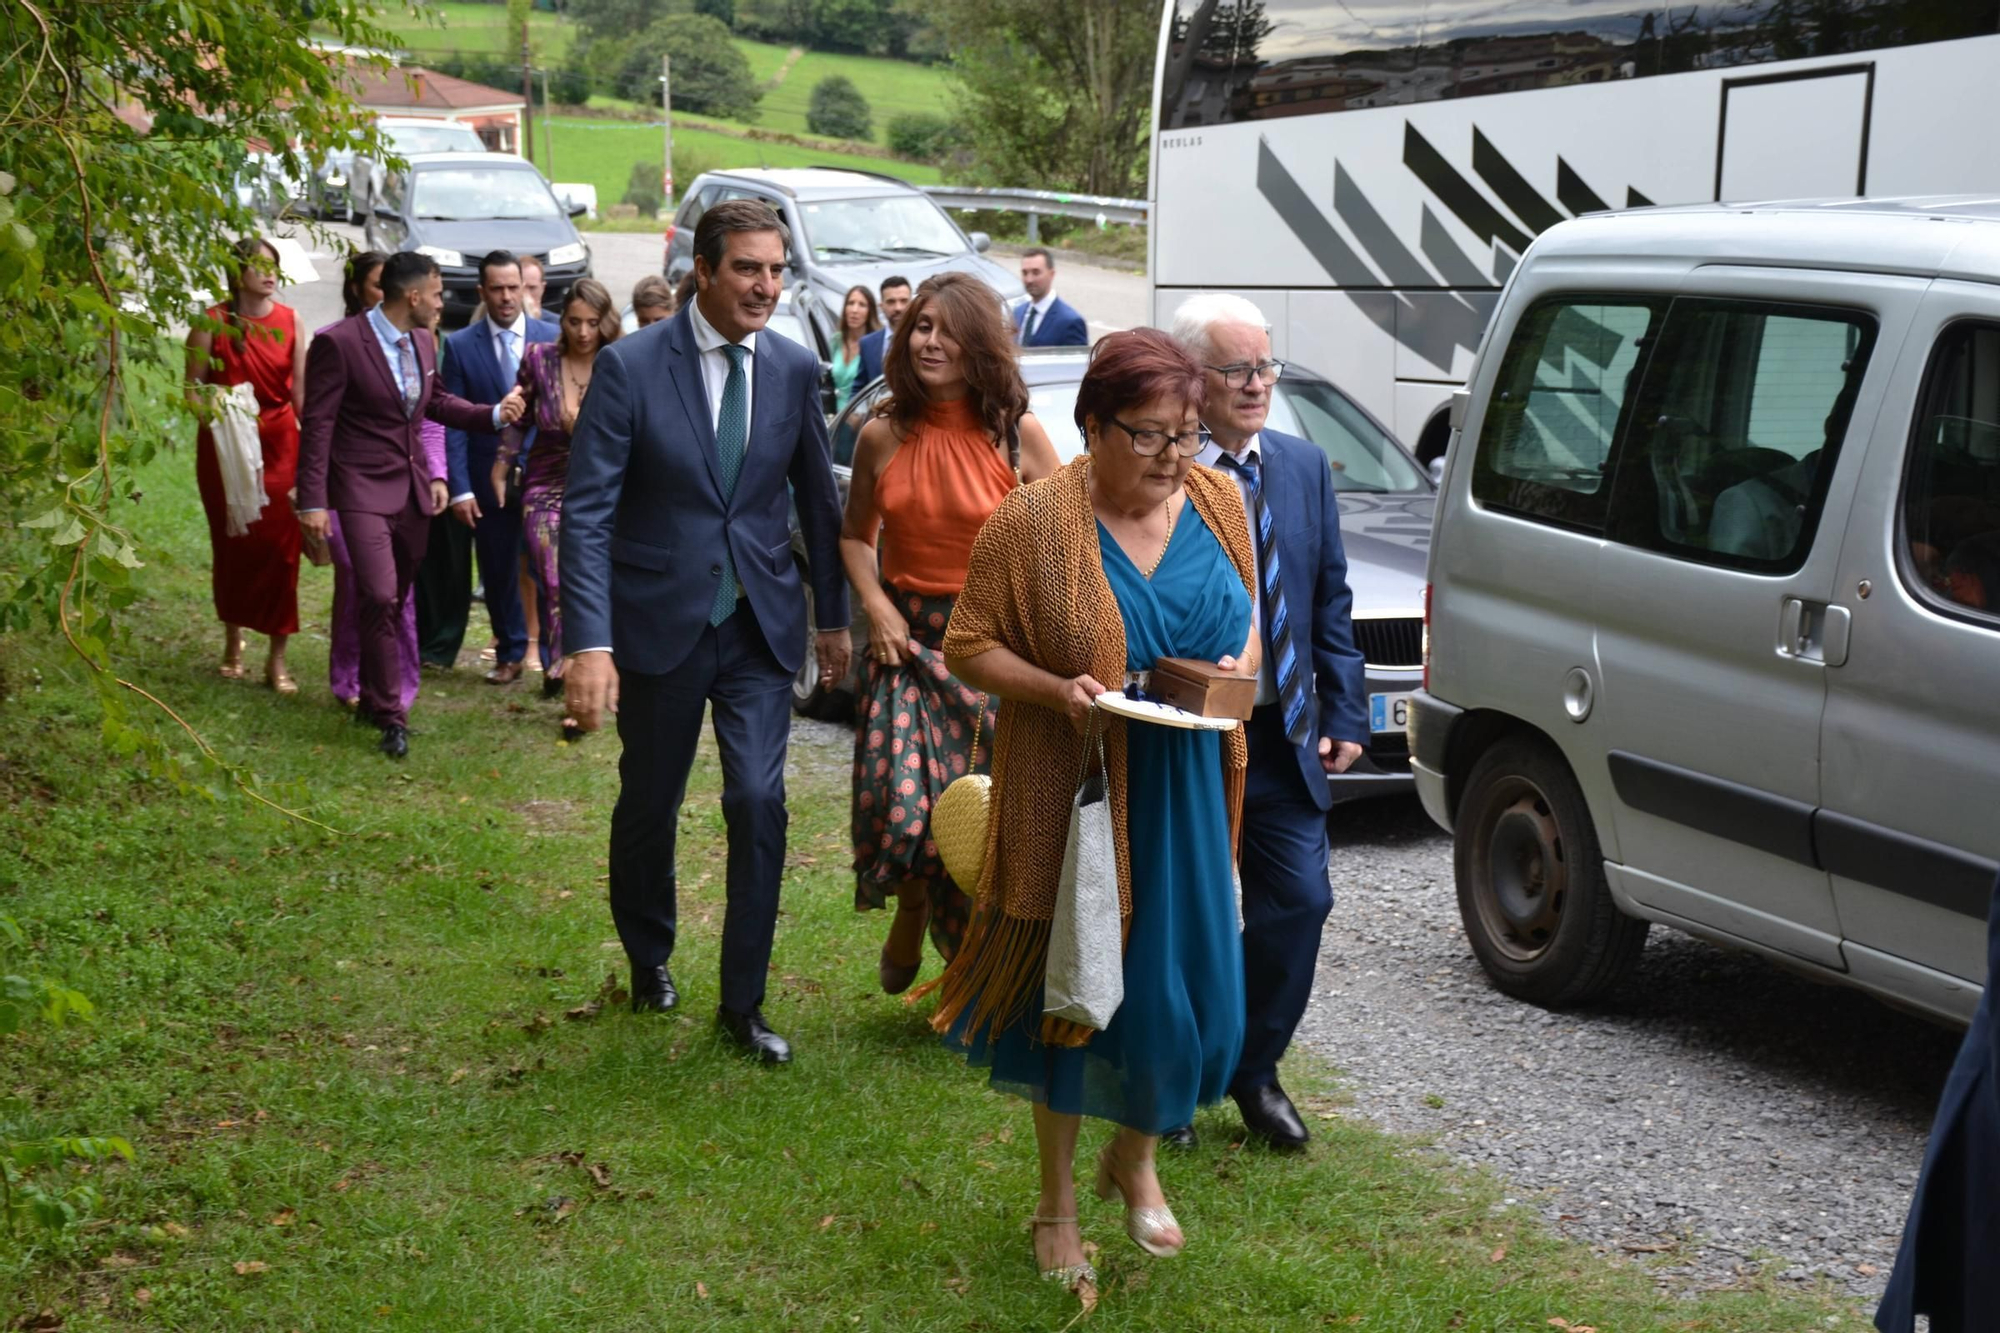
(1235, 60)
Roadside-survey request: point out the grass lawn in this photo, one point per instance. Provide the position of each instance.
(891, 87)
(601, 152)
(477, 27)
(370, 1088)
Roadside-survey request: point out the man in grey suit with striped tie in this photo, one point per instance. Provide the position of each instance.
(680, 593)
(1311, 717)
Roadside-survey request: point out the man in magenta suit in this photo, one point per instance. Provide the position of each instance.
(370, 382)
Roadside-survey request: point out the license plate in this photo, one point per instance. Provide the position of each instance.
(1388, 712)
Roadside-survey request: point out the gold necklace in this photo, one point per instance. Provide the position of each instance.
(1168, 505)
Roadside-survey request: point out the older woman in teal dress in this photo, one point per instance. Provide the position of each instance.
(1128, 555)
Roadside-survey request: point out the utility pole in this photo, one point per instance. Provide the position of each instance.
(548, 132)
(667, 119)
(527, 100)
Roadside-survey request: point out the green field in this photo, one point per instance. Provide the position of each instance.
(601, 153)
(891, 86)
(476, 27)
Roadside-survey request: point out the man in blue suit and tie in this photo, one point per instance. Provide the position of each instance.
(680, 593)
(1311, 717)
(895, 293)
(1045, 319)
(481, 362)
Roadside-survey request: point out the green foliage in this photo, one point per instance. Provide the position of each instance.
(711, 77)
(839, 110)
(36, 1179)
(879, 27)
(924, 136)
(643, 188)
(1054, 93)
(621, 20)
(722, 11)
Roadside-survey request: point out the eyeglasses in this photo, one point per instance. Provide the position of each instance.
(1238, 375)
(1150, 443)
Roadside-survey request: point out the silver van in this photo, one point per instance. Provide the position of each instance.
(1714, 604)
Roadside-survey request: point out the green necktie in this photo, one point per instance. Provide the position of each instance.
(732, 438)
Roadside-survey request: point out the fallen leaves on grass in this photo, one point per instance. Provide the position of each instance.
(284, 1217)
(245, 1267)
(1568, 1327)
(701, 1290)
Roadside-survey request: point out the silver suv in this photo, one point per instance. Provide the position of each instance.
(849, 229)
(1714, 607)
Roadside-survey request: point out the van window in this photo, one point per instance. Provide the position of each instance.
(1737, 430)
(1951, 492)
(692, 209)
(1556, 408)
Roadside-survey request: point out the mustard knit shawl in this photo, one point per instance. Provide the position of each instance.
(1036, 586)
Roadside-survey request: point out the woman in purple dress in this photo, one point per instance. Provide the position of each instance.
(554, 379)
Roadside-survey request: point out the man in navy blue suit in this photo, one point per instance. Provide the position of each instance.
(483, 358)
(1311, 718)
(895, 294)
(680, 594)
(1045, 319)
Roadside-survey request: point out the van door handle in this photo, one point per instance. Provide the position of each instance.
(1813, 631)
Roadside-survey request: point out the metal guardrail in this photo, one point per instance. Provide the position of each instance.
(1099, 208)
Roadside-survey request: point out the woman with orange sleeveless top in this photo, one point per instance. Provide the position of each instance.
(951, 441)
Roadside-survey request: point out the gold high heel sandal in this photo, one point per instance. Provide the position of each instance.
(1071, 1276)
(1144, 1225)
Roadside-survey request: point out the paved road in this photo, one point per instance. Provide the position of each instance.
(1110, 298)
(1717, 1116)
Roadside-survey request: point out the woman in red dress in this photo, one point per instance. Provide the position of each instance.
(256, 574)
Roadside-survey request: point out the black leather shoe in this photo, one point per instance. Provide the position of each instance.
(653, 990)
(1183, 1138)
(1269, 1114)
(395, 741)
(752, 1033)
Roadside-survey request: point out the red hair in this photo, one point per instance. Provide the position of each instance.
(1134, 367)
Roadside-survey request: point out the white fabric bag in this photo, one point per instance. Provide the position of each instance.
(1084, 980)
(240, 453)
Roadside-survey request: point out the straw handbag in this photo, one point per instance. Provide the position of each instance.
(960, 818)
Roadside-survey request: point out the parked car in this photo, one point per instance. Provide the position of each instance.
(327, 191)
(1385, 522)
(455, 207)
(408, 136)
(1715, 599)
(849, 228)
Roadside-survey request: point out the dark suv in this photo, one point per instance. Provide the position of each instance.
(849, 229)
(455, 207)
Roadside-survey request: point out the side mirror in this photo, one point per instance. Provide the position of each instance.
(577, 210)
(1437, 470)
(387, 214)
(981, 242)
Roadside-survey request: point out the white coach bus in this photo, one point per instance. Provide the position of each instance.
(1369, 171)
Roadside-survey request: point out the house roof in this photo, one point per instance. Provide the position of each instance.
(414, 86)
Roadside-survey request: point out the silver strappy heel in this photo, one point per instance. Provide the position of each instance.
(1144, 1225)
(1070, 1275)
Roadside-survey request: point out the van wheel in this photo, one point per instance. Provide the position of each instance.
(1531, 888)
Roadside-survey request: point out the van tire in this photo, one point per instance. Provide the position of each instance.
(1531, 888)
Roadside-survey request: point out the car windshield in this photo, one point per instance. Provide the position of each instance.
(409, 139)
(889, 226)
(482, 192)
(1363, 457)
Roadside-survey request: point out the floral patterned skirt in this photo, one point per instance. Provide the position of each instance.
(917, 728)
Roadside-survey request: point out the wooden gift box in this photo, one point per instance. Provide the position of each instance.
(1202, 688)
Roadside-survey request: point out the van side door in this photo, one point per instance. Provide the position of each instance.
(1910, 746)
(1716, 616)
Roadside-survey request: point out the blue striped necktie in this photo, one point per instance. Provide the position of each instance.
(732, 440)
(1278, 625)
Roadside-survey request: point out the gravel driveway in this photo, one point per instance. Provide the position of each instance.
(1716, 1117)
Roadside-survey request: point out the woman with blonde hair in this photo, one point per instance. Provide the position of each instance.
(953, 438)
(554, 378)
(1125, 556)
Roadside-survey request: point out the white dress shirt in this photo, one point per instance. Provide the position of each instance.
(518, 333)
(714, 363)
(1211, 456)
(1038, 311)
